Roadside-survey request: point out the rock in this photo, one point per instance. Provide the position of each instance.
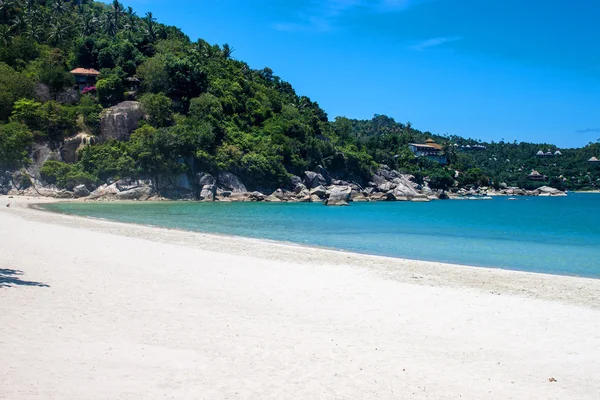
(81, 191)
(176, 186)
(315, 199)
(41, 92)
(119, 121)
(319, 191)
(256, 196)
(208, 193)
(546, 190)
(420, 200)
(68, 97)
(238, 197)
(443, 196)
(72, 145)
(127, 184)
(272, 199)
(39, 155)
(323, 172)
(299, 188)
(205, 179)
(139, 193)
(230, 182)
(294, 180)
(313, 179)
(378, 196)
(64, 194)
(338, 196)
(359, 197)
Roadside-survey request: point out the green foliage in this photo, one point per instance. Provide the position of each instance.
(15, 139)
(153, 74)
(108, 160)
(474, 176)
(13, 86)
(441, 179)
(159, 109)
(65, 176)
(110, 90)
(49, 120)
(56, 78)
(209, 112)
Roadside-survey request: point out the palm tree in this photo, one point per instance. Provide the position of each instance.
(88, 24)
(150, 26)
(117, 10)
(59, 7)
(227, 50)
(5, 35)
(108, 24)
(58, 32)
(5, 9)
(36, 32)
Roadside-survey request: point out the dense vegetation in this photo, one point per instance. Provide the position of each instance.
(206, 111)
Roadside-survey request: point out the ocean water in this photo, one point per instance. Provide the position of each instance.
(537, 234)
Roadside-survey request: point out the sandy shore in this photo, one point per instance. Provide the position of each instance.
(101, 310)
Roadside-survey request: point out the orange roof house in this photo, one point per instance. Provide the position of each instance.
(85, 77)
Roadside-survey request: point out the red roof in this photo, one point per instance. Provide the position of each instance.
(85, 71)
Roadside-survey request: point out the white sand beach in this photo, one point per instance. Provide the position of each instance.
(94, 309)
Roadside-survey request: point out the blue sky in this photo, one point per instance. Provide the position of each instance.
(487, 69)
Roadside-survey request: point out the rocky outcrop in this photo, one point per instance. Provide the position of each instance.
(119, 121)
(313, 179)
(80, 191)
(68, 97)
(176, 187)
(230, 182)
(139, 193)
(338, 196)
(208, 193)
(72, 145)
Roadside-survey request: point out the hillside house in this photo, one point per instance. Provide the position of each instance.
(85, 77)
(430, 150)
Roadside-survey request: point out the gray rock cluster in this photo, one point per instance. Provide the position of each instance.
(544, 191)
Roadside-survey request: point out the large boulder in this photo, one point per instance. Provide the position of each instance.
(205, 179)
(139, 193)
(339, 196)
(230, 182)
(319, 191)
(119, 121)
(313, 179)
(550, 191)
(80, 191)
(105, 192)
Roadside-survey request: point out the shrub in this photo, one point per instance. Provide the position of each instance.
(65, 176)
(15, 139)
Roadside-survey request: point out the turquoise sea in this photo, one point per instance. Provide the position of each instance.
(538, 234)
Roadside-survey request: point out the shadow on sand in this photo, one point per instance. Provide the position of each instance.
(11, 278)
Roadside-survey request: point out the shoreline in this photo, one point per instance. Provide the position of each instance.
(40, 207)
(424, 272)
(98, 309)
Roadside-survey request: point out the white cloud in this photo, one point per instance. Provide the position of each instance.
(322, 15)
(434, 42)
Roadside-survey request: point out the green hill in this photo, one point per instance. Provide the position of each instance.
(207, 111)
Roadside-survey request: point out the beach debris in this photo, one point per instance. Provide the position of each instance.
(552, 380)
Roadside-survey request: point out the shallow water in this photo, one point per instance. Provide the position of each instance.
(537, 234)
